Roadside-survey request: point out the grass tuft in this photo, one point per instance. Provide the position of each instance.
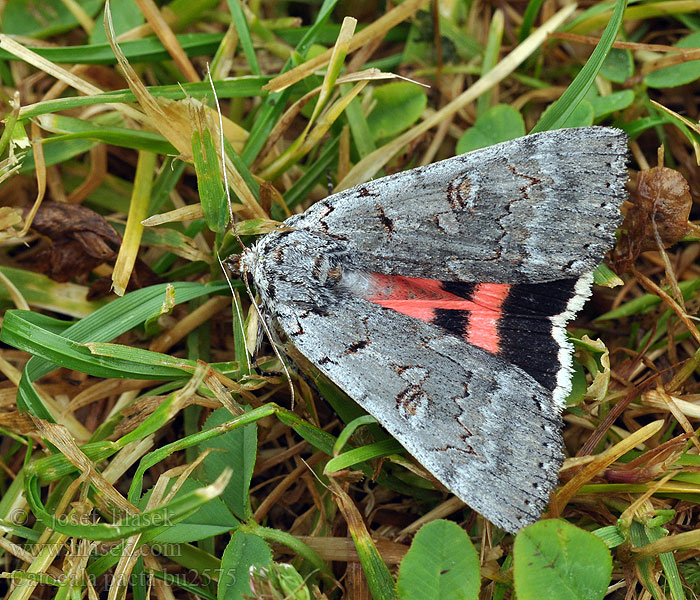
(142, 449)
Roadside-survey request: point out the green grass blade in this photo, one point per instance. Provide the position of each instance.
(558, 112)
(241, 24)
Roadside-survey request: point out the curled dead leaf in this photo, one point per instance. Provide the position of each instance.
(658, 218)
(77, 240)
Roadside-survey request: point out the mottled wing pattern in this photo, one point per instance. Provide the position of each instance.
(486, 429)
(537, 208)
(438, 300)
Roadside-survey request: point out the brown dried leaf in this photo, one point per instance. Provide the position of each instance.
(17, 421)
(79, 240)
(652, 464)
(56, 221)
(659, 216)
(62, 438)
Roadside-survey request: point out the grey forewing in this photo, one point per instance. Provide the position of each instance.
(487, 430)
(484, 427)
(538, 208)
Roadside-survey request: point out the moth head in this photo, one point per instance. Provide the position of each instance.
(233, 263)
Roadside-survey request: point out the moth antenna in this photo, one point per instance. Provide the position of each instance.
(223, 160)
(266, 329)
(314, 474)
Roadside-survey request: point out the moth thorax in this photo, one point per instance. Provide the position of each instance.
(357, 283)
(326, 271)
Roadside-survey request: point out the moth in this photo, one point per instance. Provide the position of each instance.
(438, 300)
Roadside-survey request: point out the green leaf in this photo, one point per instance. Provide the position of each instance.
(604, 105)
(611, 535)
(209, 180)
(188, 11)
(579, 385)
(125, 16)
(499, 123)
(618, 65)
(645, 533)
(153, 458)
(318, 438)
(295, 545)
(41, 292)
(236, 450)
(681, 74)
(318, 169)
(243, 551)
(150, 521)
(106, 323)
(350, 429)
(635, 128)
(42, 18)
(279, 580)
(55, 467)
(399, 105)
(533, 8)
(604, 276)
(457, 45)
(441, 564)
(146, 50)
(274, 105)
(554, 559)
(99, 359)
(362, 135)
(212, 518)
(243, 32)
(240, 348)
(59, 151)
(581, 116)
(160, 417)
(235, 87)
(363, 454)
(490, 58)
(118, 136)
